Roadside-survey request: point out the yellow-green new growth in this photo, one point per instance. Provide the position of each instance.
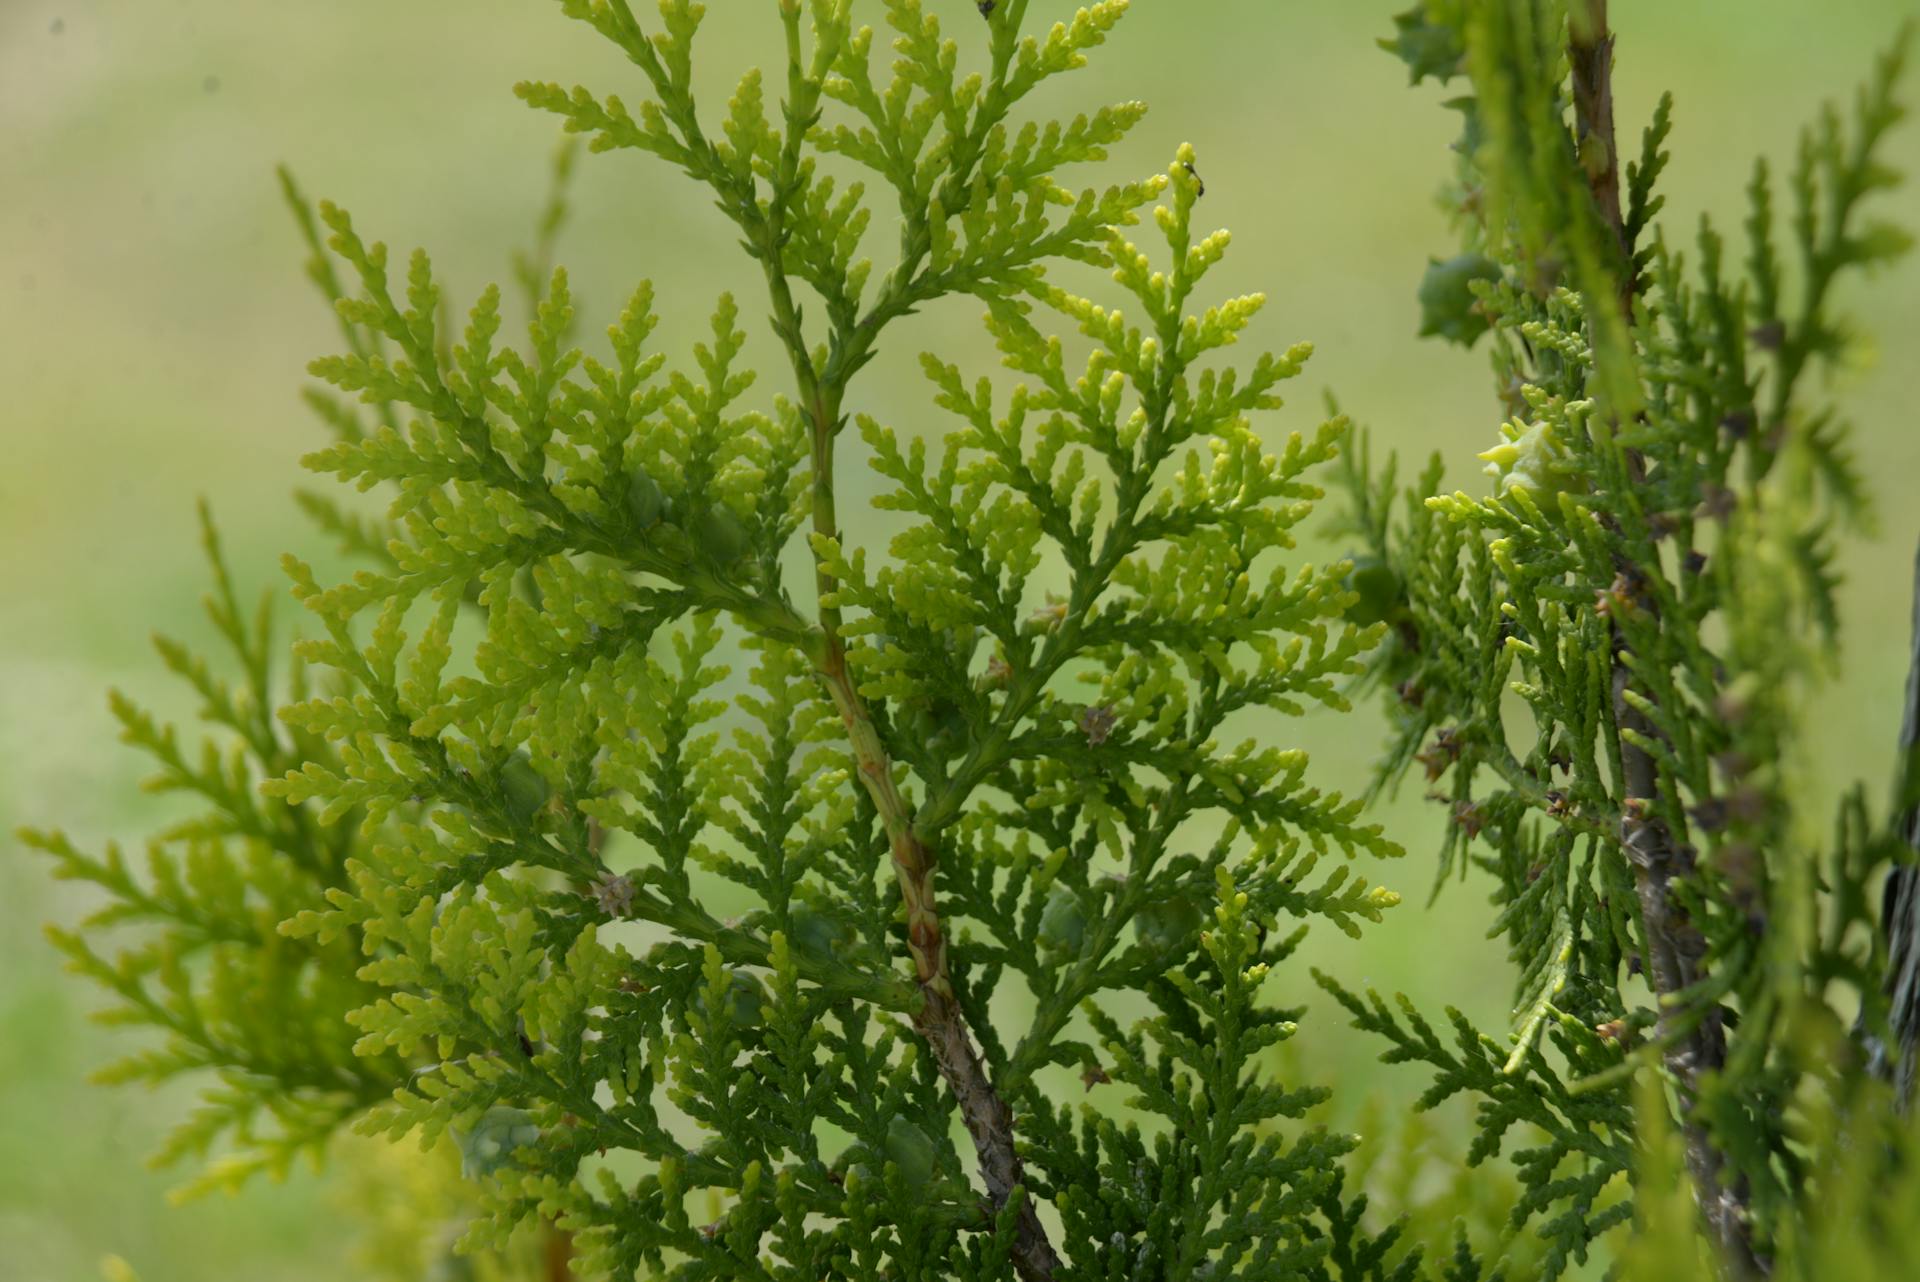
(598, 898)
(1531, 457)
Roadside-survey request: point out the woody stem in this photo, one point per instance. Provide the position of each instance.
(939, 1020)
(1674, 946)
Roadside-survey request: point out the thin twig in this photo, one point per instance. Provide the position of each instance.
(557, 1249)
(821, 386)
(939, 1021)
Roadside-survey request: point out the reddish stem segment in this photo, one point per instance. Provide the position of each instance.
(939, 1021)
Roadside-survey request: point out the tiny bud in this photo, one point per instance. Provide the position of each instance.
(1747, 805)
(909, 1148)
(523, 788)
(1739, 863)
(1616, 600)
(1097, 723)
(613, 893)
(1444, 752)
(1051, 615)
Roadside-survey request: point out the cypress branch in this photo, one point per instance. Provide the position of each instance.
(532, 735)
(1633, 388)
(686, 974)
(1676, 951)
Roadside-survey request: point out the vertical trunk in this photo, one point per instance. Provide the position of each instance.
(1674, 952)
(1673, 944)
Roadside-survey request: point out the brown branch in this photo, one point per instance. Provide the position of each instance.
(1675, 949)
(1590, 61)
(939, 1021)
(1674, 946)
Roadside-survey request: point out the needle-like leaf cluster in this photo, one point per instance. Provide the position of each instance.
(1604, 659)
(662, 948)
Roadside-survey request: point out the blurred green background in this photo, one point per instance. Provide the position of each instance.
(155, 325)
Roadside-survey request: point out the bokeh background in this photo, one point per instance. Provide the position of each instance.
(154, 324)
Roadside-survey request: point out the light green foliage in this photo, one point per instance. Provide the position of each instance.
(700, 891)
(409, 1208)
(198, 956)
(1604, 659)
(1533, 456)
(661, 950)
(1411, 1168)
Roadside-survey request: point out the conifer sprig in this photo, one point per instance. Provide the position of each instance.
(612, 903)
(198, 956)
(1653, 577)
(708, 920)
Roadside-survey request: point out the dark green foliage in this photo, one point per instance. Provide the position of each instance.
(1577, 1145)
(909, 917)
(1449, 308)
(661, 949)
(1653, 576)
(1218, 1191)
(1427, 38)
